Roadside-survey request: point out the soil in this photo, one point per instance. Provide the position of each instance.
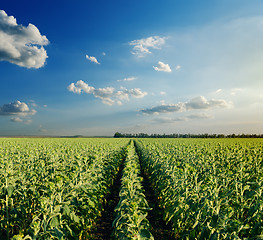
(103, 228)
(159, 229)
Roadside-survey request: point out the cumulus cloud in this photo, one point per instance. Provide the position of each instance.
(108, 95)
(127, 79)
(92, 59)
(135, 92)
(142, 46)
(16, 108)
(21, 45)
(194, 104)
(80, 87)
(162, 67)
(105, 94)
(201, 103)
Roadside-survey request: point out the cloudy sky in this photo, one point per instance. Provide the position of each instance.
(97, 67)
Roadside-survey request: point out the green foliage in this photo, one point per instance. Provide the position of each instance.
(208, 189)
(132, 209)
(55, 188)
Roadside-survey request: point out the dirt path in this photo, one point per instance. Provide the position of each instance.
(103, 228)
(159, 229)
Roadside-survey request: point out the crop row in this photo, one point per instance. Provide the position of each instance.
(55, 189)
(207, 189)
(132, 209)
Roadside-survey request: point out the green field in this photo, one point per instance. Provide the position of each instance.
(139, 189)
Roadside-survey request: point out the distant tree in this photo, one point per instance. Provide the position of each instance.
(118, 135)
(220, 135)
(176, 135)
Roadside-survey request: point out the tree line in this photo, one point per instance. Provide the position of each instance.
(179, 135)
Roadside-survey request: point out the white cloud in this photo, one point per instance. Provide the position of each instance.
(194, 104)
(122, 95)
(232, 91)
(162, 67)
(16, 108)
(218, 90)
(21, 45)
(80, 87)
(103, 54)
(162, 93)
(92, 59)
(108, 95)
(72, 88)
(236, 90)
(105, 94)
(127, 79)
(183, 119)
(142, 46)
(177, 67)
(16, 119)
(201, 103)
(84, 86)
(135, 92)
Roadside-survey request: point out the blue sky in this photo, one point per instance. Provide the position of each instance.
(97, 67)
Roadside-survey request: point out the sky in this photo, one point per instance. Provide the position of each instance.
(97, 67)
